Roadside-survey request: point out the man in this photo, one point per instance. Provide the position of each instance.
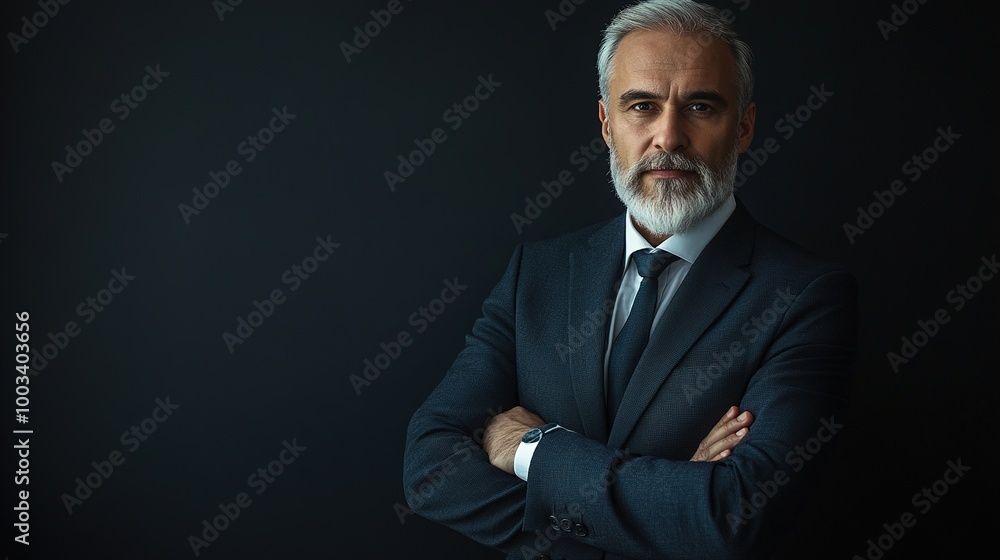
(624, 359)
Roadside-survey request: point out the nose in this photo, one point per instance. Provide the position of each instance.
(670, 132)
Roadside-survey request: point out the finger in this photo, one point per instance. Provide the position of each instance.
(718, 457)
(744, 420)
(729, 415)
(719, 430)
(724, 445)
(722, 455)
(722, 449)
(715, 442)
(727, 426)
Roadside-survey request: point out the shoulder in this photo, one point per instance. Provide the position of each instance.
(769, 260)
(763, 250)
(554, 259)
(774, 251)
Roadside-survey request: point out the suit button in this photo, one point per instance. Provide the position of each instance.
(580, 530)
(565, 524)
(554, 522)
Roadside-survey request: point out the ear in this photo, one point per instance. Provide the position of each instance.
(745, 135)
(602, 115)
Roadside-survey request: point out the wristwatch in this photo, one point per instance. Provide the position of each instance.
(534, 435)
(526, 449)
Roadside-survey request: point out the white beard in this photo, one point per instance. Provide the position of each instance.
(676, 205)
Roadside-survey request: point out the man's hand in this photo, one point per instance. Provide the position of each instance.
(719, 442)
(503, 434)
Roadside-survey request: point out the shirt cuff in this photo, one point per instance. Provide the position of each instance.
(522, 459)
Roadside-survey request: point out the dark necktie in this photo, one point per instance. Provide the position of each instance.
(628, 346)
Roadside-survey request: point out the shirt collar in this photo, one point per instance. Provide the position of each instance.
(687, 245)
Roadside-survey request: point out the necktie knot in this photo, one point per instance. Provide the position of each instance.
(650, 264)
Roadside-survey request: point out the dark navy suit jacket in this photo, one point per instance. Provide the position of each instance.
(757, 322)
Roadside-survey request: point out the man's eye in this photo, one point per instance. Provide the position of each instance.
(643, 107)
(701, 107)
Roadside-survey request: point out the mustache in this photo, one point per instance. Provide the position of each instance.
(668, 160)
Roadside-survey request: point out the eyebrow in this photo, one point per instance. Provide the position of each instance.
(701, 95)
(637, 94)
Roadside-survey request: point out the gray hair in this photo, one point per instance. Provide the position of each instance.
(679, 16)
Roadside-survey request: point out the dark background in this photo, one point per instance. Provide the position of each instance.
(323, 177)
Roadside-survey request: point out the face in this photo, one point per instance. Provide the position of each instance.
(673, 128)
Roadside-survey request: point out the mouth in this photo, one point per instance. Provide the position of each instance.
(668, 173)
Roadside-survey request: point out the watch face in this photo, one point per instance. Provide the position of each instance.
(532, 436)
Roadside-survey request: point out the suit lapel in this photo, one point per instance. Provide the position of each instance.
(595, 273)
(708, 289)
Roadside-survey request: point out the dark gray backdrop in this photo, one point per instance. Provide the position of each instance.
(218, 79)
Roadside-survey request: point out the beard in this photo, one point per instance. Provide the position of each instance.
(675, 205)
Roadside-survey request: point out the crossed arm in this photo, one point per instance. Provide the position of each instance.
(504, 431)
(656, 507)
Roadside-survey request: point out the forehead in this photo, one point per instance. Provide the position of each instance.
(660, 58)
